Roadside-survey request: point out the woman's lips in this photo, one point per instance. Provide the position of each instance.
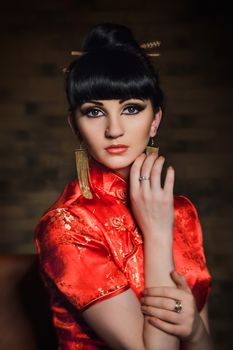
(116, 150)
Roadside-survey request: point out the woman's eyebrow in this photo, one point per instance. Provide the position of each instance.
(120, 101)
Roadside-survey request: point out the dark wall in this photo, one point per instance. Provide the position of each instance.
(37, 146)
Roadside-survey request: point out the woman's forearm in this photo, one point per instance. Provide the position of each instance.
(158, 263)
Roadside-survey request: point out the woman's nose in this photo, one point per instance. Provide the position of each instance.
(114, 128)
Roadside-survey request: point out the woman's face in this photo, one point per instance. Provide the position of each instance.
(103, 123)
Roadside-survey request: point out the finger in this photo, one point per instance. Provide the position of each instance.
(146, 170)
(169, 181)
(162, 314)
(156, 173)
(180, 281)
(165, 326)
(135, 173)
(159, 302)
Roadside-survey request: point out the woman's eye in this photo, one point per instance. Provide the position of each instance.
(94, 112)
(132, 108)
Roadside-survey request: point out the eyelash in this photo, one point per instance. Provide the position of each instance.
(88, 110)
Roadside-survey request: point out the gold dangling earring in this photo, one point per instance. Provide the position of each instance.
(82, 166)
(151, 149)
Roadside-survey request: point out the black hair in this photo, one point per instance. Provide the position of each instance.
(112, 66)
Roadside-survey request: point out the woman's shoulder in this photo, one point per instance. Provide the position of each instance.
(69, 218)
(186, 216)
(184, 205)
(186, 221)
(71, 224)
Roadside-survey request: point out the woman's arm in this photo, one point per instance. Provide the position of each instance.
(158, 265)
(190, 326)
(119, 320)
(153, 208)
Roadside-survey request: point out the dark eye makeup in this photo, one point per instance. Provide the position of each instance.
(88, 110)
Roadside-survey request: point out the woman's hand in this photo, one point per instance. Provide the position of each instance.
(159, 303)
(151, 204)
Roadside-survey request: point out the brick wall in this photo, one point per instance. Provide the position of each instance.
(37, 146)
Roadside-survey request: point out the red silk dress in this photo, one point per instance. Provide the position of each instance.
(92, 249)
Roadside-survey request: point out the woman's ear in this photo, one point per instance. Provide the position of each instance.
(155, 123)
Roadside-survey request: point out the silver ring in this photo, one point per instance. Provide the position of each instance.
(178, 306)
(143, 178)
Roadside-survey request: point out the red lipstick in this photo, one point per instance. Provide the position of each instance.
(114, 149)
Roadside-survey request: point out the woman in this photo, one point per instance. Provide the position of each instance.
(115, 232)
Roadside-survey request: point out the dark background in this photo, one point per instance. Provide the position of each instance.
(37, 145)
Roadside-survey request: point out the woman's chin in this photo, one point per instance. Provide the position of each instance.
(117, 164)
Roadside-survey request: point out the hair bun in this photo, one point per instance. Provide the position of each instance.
(109, 36)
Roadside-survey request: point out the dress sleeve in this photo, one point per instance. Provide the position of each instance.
(76, 259)
(191, 259)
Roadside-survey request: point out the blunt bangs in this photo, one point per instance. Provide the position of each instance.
(110, 74)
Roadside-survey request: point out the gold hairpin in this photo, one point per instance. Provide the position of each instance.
(147, 45)
(153, 54)
(151, 44)
(76, 53)
(79, 53)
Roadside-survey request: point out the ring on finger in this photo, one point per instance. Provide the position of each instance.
(178, 306)
(142, 177)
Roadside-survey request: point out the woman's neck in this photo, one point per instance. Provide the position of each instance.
(122, 173)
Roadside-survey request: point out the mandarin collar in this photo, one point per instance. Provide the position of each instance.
(107, 180)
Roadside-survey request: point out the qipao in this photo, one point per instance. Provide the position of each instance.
(92, 249)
